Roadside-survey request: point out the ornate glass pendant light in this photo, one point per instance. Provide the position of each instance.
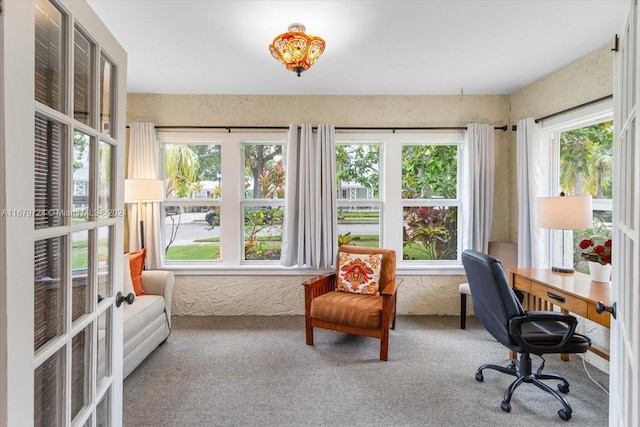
(297, 50)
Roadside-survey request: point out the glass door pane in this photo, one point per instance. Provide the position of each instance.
(49, 290)
(81, 175)
(80, 368)
(106, 92)
(49, 391)
(49, 147)
(105, 167)
(83, 51)
(81, 273)
(50, 29)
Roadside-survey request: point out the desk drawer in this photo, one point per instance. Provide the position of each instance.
(604, 319)
(521, 283)
(561, 299)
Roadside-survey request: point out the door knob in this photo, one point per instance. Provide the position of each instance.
(121, 298)
(601, 308)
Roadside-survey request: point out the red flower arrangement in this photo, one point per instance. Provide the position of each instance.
(600, 253)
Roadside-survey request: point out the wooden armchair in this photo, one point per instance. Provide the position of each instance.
(366, 315)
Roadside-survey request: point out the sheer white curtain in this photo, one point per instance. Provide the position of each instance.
(533, 182)
(479, 167)
(142, 163)
(310, 223)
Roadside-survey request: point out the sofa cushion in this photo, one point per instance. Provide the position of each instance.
(359, 273)
(141, 313)
(363, 311)
(136, 263)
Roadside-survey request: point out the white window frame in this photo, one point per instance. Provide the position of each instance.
(232, 201)
(251, 202)
(391, 217)
(551, 130)
(341, 202)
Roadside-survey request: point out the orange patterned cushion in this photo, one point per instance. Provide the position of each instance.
(359, 273)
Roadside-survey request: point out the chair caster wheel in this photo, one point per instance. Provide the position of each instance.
(563, 388)
(564, 414)
(479, 377)
(506, 406)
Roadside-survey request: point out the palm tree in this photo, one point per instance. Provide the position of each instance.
(182, 171)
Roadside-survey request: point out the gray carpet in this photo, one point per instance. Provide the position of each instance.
(257, 371)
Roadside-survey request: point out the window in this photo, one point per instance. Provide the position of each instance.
(358, 193)
(193, 179)
(226, 195)
(225, 198)
(582, 153)
(263, 201)
(430, 203)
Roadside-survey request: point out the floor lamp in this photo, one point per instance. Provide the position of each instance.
(564, 213)
(143, 191)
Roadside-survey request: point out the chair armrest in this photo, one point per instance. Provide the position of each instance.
(515, 329)
(321, 284)
(317, 286)
(392, 287)
(160, 282)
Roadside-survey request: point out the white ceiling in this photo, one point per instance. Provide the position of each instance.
(398, 47)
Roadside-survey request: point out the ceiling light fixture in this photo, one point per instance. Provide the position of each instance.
(297, 50)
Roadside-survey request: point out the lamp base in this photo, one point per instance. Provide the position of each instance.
(563, 270)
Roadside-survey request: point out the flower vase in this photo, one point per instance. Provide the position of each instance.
(599, 272)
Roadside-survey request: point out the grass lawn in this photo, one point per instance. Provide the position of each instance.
(195, 252)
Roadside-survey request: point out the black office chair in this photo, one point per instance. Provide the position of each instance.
(543, 332)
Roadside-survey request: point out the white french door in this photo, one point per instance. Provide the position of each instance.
(625, 330)
(63, 85)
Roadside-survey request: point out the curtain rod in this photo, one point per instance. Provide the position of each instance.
(393, 129)
(568, 110)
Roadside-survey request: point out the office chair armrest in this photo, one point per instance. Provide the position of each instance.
(515, 330)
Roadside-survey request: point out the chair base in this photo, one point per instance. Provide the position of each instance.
(522, 370)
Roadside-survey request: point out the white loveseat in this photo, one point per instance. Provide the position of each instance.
(147, 321)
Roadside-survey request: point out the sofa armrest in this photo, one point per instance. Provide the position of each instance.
(160, 282)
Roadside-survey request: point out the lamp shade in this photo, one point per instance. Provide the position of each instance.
(565, 212)
(143, 190)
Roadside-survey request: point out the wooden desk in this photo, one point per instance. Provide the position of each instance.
(571, 292)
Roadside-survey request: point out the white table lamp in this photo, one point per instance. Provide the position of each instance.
(564, 213)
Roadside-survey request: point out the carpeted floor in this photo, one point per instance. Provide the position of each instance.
(257, 371)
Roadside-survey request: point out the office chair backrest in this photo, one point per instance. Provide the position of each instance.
(494, 302)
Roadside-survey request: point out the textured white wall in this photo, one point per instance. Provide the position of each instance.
(284, 295)
(586, 79)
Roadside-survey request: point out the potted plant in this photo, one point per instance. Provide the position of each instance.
(598, 253)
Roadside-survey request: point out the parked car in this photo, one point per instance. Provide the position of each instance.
(212, 218)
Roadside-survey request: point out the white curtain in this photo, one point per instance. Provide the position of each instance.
(533, 182)
(479, 167)
(310, 223)
(142, 163)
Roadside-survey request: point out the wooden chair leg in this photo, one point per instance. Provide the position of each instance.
(384, 345)
(309, 331)
(463, 311)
